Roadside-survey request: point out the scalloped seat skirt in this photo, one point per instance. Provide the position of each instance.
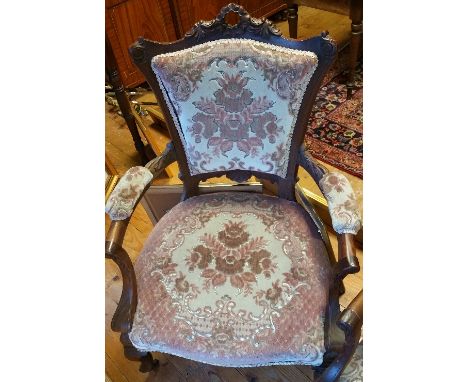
(233, 279)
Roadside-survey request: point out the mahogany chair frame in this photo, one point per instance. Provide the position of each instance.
(342, 330)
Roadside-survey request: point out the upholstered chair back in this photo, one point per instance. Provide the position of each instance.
(237, 98)
(235, 102)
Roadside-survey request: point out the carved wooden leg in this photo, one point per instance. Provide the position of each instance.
(350, 322)
(122, 100)
(147, 362)
(333, 371)
(356, 38)
(292, 19)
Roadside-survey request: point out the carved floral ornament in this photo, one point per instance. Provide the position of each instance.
(246, 23)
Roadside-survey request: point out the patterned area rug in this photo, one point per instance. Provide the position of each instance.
(334, 132)
(353, 372)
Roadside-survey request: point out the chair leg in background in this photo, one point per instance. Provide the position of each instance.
(124, 103)
(292, 20)
(356, 38)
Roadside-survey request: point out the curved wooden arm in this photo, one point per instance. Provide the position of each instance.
(310, 165)
(347, 263)
(157, 165)
(122, 320)
(115, 235)
(350, 320)
(123, 317)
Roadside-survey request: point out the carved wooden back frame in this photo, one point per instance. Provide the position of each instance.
(251, 28)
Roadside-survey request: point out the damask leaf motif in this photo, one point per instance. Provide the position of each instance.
(249, 277)
(208, 273)
(218, 279)
(211, 242)
(204, 125)
(205, 105)
(214, 141)
(255, 141)
(260, 105)
(244, 146)
(236, 281)
(226, 146)
(254, 244)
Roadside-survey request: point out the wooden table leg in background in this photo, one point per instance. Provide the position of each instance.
(292, 19)
(356, 38)
(124, 103)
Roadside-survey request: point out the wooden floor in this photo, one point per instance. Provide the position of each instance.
(120, 149)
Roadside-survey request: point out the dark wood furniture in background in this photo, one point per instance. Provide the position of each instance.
(351, 8)
(159, 20)
(124, 104)
(342, 329)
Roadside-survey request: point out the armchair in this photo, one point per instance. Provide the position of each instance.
(231, 278)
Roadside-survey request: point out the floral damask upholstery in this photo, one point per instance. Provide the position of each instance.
(342, 204)
(233, 279)
(235, 102)
(125, 195)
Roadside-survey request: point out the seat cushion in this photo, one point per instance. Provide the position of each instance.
(233, 279)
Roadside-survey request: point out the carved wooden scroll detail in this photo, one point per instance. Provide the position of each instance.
(246, 23)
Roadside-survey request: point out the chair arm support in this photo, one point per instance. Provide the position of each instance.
(157, 165)
(123, 317)
(310, 165)
(347, 263)
(120, 206)
(115, 235)
(350, 320)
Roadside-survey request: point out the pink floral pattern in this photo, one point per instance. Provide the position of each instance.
(233, 279)
(235, 102)
(342, 203)
(226, 255)
(125, 195)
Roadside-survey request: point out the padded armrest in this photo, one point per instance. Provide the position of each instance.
(127, 193)
(338, 192)
(133, 184)
(342, 204)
